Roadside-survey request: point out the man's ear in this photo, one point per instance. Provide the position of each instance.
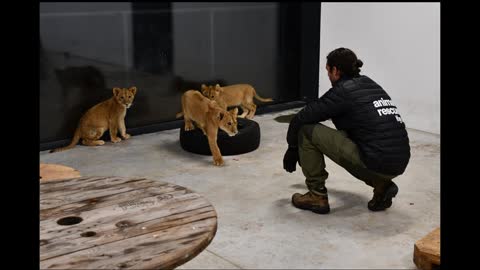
(336, 72)
(116, 91)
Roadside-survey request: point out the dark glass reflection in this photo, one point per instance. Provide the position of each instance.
(163, 49)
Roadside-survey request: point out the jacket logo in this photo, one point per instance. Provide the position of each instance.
(381, 103)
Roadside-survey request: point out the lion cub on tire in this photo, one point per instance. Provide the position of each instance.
(235, 95)
(106, 115)
(209, 117)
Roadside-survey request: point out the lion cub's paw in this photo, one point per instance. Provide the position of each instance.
(189, 127)
(116, 140)
(126, 137)
(218, 161)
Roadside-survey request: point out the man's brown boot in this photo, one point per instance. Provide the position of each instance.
(317, 203)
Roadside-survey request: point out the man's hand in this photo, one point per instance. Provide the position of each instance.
(290, 159)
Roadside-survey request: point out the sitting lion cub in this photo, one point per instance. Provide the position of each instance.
(209, 117)
(235, 95)
(107, 115)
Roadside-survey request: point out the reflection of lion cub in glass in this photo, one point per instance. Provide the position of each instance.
(107, 115)
(235, 95)
(209, 117)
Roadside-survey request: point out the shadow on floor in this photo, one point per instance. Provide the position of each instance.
(344, 205)
(284, 118)
(175, 149)
(299, 186)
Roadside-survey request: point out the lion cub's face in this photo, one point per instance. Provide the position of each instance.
(228, 122)
(125, 96)
(211, 92)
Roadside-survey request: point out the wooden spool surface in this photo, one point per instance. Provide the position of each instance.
(133, 223)
(426, 254)
(52, 172)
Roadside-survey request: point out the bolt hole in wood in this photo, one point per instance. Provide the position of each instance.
(123, 224)
(69, 221)
(88, 234)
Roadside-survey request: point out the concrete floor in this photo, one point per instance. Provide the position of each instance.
(257, 225)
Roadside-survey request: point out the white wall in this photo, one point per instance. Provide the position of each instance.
(399, 44)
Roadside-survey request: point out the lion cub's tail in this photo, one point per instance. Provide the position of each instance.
(75, 140)
(262, 99)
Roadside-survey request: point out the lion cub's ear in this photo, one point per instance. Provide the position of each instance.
(116, 91)
(203, 88)
(221, 115)
(133, 90)
(218, 88)
(234, 112)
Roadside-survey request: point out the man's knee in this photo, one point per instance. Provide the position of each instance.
(306, 132)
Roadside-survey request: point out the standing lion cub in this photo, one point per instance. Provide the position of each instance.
(235, 95)
(209, 117)
(107, 115)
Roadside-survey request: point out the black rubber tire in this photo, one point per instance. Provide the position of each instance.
(246, 140)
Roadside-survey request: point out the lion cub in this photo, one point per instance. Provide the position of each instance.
(235, 95)
(107, 115)
(209, 117)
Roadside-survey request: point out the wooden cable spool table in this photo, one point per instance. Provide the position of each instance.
(117, 223)
(53, 172)
(426, 252)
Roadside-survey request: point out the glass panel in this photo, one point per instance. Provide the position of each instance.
(163, 49)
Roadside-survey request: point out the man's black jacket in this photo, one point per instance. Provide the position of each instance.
(362, 109)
